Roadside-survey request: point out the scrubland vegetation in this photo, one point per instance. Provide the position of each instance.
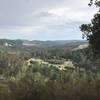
(52, 70)
(38, 74)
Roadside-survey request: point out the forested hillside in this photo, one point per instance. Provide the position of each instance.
(47, 72)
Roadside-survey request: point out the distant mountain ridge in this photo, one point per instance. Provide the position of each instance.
(56, 43)
(38, 43)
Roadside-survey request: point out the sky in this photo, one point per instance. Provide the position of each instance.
(44, 19)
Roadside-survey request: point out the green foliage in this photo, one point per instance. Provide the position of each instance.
(20, 81)
(78, 86)
(92, 32)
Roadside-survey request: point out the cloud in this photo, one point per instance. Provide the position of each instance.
(43, 19)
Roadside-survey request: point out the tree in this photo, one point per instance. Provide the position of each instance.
(91, 2)
(92, 31)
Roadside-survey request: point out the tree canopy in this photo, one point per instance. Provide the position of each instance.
(91, 31)
(91, 2)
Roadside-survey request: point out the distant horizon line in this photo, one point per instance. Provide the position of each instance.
(45, 39)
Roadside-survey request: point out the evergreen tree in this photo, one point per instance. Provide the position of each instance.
(92, 31)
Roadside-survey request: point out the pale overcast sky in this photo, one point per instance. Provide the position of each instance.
(43, 19)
